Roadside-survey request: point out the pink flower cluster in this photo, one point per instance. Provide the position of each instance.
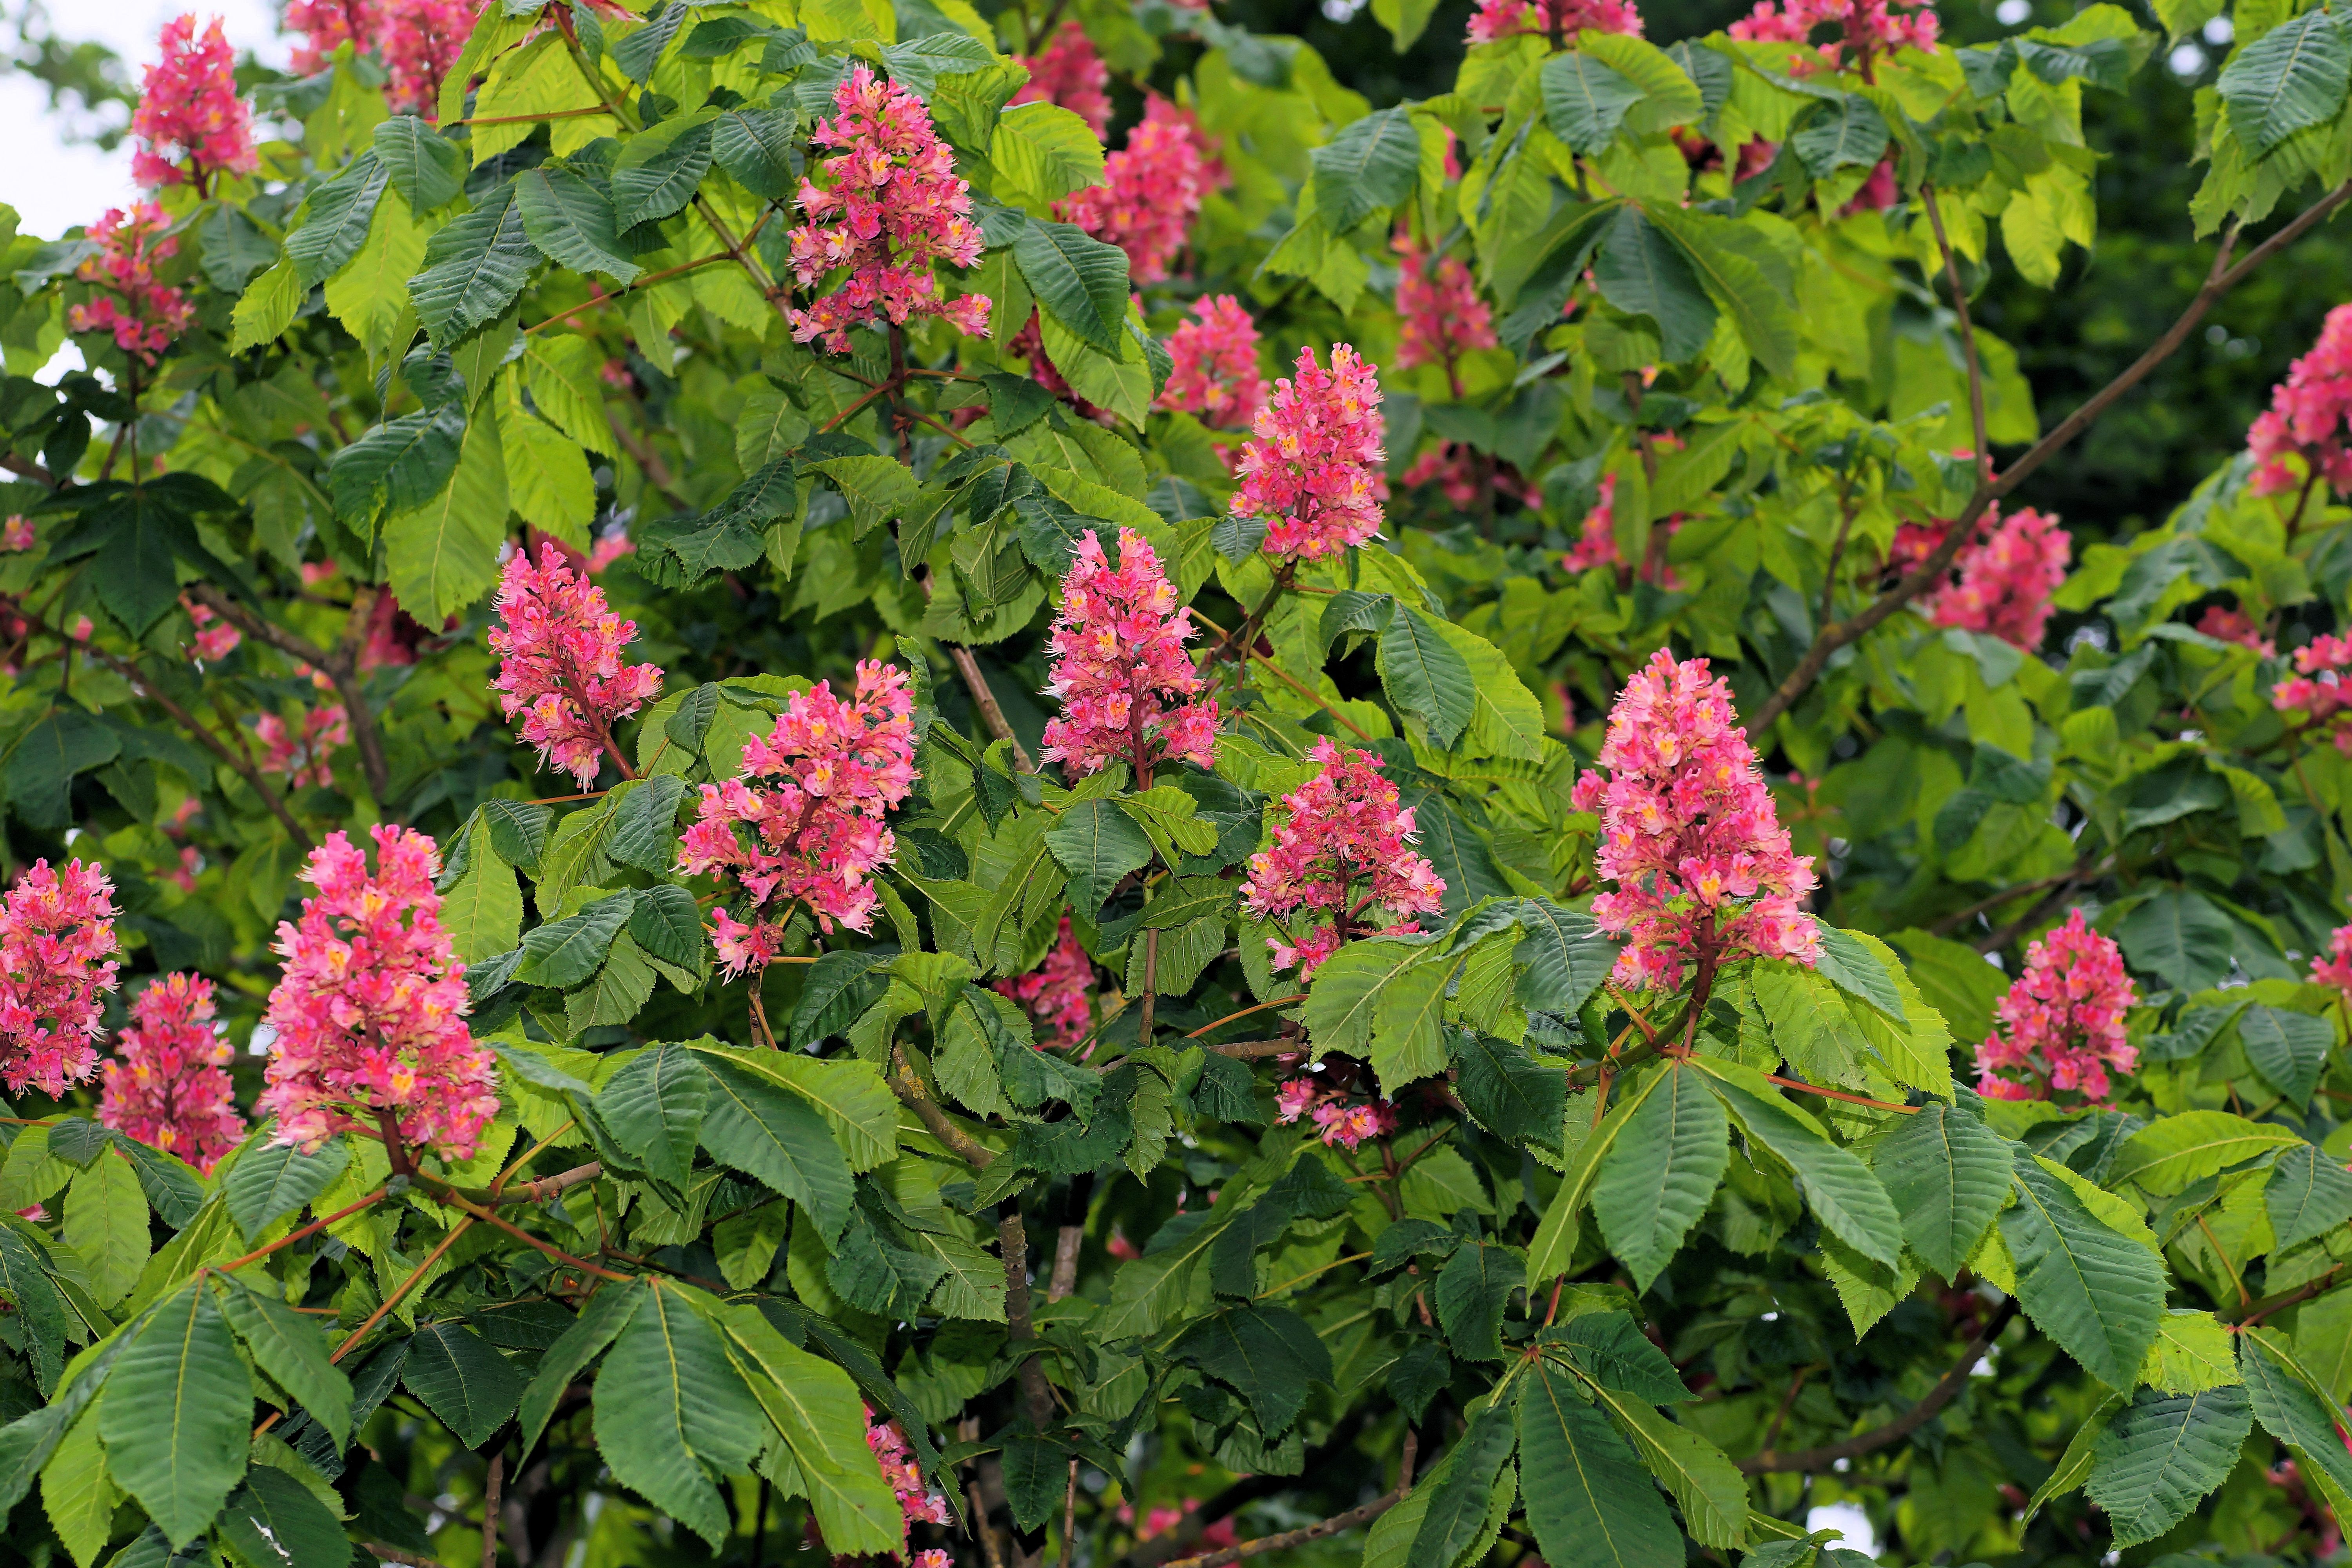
(1119, 669)
(302, 758)
(1469, 477)
(2064, 1018)
(1056, 992)
(190, 123)
(1507, 18)
(2318, 688)
(2308, 414)
(1441, 315)
(166, 1087)
(1690, 836)
(1344, 1125)
(2005, 574)
(1150, 192)
(1312, 465)
(141, 314)
(1871, 28)
(56, 948)
(1069, 72)
(215, 638)
(817, 833)
(1339, 854)
(1215, 355)
(2333, 968)
(417, 40)
(370, 1011)
(1597, 544)
(2225, 624)
(918, 1500)
(16, 532)
(561, 651)
(891, 206)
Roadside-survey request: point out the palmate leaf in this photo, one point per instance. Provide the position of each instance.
(288, 1347)
(776, 1137)
(2292, 76)
(1611, 1351)
(2308, 1195)
(1589, 1500)
(570, 221)
(2100, 1294)
(2289, 1049)
(2290, 1409)
(2176, 1151)
(424, 168)
(2162, 1454)
(1077, 278)
(1473, 1291)
(1458, 1501)
(463, 1380)
(1097, 844)
(336, 223)
(275, 1521)
(271, 1180)
(754, 146)
(1837, 1185)
(668, 1403)
(1848, 132)
(1268, 1355)
(1658, 1178)
(606, 1313)
(474, 266)
(177, 1412)
(1585, 102)
(654, 1109)
(1424, 677)
(1370, 164)
(816, 1409)
(1643, 272)
(1947, 1174)
(1707, 1486)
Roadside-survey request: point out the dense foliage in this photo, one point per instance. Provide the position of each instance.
(1354, 835)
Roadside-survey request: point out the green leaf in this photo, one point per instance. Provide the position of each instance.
(2175, 1151)
(2307, 1194)
(1459, 1502)
(475, 268)
(2163, 1454)
(2097, 1292)
(1098, 845)
(1848, 132)
(815, 1408)
(106, 1224)
(272, 1179)
(462, 1380)
(76, 1494)
(755, 146)
(275, 1521)
(288, 1347)
(402, 463)
(919, 63)
(777, 1138)
(1369, 166)
(266, 308)
(1046, 152)
(2193, 1351)
(2075, 1464)
(654, 1109)
(1588, 1499)
(2289, 1049)
(878, 488)
(1658, 1178)
(2291, 77)
(1077, 278)
(1266, 1354)
(1511, 1094)
(1947, 1174)
(443, 553)
(676, 1404)
(1612, 1353)
(1473, 1291)
(2179, 937)
(659, 170)
(178, 1413)
(1643, 272)
(335, 221)
(570, 221)
(1711, 1491)
(566, 951)
(1838, 1187)
(1566, 956)
(1585, 102)
(607, 1312)
(1425, 677)
(2291, 1409)
(483, 913)
(171, 1186)
(426, 170)
(668, 924)
(645, 826)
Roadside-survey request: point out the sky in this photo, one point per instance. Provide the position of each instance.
(54, 185)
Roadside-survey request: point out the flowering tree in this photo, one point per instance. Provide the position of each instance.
(874, 783)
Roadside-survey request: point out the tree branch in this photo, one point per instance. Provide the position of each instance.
(1947, 1388)
(178, 715)
(2218, 282)
(339, 667)
(1363, 1513)
(1240, 1494)
(1967, 331)
(991, 713)
(912, 1095)
(1013, 1242)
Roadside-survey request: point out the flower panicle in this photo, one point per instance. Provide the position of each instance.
(57, 955)
(1127, 688)
(166, 1083)
(560, 648)
(1312, 466)
(1338, 858)
(190, 125)
(2062, 1022)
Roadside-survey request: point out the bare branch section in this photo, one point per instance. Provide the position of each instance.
(2218, 282)
(1948, 1388)
(341, 667)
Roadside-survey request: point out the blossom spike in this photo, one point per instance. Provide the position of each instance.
(1127, 687)
(1338, 856)
(56, 954)
(1312, 466)
(166, 1085)
(2062, 1022)
(561, 650)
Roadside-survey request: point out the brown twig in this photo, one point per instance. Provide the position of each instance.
(1840, 1094)
(316, 1226)
(490, 1487)
(392, 1300)
(1012, 1243)
(2253, 1312)
(377, 1549)
(911, 1094)
(991, 713)
(341, 667)
(1946, 1387)
(1968, 329)
(1250, 1050)
(2218, 282)
(1363, 1513)
(1260, 1007)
